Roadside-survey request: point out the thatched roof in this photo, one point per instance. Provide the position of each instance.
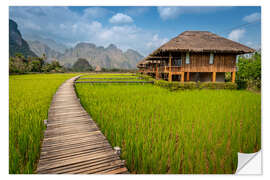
(202, 41)
(140, 63)
(145, 61)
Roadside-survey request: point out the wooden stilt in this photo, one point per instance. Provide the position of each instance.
(214, 77)
(157, 74)
(233, 77)
(170, 68)
(183, 77)
(187, 76)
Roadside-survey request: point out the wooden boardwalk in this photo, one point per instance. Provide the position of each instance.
(73, 144)
(125, 82)
(112, 78)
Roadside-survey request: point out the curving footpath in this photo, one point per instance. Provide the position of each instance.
(73, 144)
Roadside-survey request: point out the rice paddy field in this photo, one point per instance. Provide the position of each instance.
(116, 79)
(29, 100)
(109, 75)
(160, 131)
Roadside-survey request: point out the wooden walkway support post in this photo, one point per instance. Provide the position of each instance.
(117, 150)
(233, 77)
(214, 77)
(170, 68)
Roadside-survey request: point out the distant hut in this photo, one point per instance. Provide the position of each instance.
(194, 56)
(140, 66)
(98, 69)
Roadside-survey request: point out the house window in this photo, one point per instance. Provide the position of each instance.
(177, 62)
(187, 58)
(211, 60)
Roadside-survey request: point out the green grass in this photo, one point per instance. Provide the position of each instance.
(29, 100)
(159, 131)
(110, 75)
(111, 79)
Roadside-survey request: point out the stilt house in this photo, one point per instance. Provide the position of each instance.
(194, 56)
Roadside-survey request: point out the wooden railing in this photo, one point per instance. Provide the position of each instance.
(167, 69)
(151, 69)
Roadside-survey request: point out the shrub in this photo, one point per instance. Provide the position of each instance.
(218, 85)
(190, 85)
(20, 65)
(194, 85)
(241, 84)
(249, 72)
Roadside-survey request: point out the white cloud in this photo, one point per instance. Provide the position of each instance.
(236, 34)
(250, 43)
(120, 18)
(156, 42)
(253, 45)
(252, 17)
(172, 12)
(169, 12)
(70, 28)
(95, 12)
(136, 10)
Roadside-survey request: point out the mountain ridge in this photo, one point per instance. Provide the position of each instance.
(16, 42)
(107, 57)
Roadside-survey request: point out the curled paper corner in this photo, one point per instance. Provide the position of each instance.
(249, 163)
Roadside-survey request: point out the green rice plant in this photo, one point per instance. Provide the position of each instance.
(134, 79)
(108, 75)
(29, 100)
(162, 131)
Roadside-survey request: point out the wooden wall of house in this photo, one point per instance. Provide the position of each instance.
(199, 62)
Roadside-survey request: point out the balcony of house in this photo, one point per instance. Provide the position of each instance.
(150, 70)
(172, 69)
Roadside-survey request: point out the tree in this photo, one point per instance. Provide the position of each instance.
(18, 64)
(249, 72)
(55, 64)
(46, 67)
(35, 66)
(82, 65)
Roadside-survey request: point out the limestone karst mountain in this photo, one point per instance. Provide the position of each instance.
(17, 45)
(104, 57)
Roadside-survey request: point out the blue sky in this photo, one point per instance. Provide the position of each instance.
(141, 28)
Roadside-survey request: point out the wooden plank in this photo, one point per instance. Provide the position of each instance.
(72, 141)
(68, 161)
(112, 165)
(80, 165)
(74, 152)
(117, 171)
(72, 145)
